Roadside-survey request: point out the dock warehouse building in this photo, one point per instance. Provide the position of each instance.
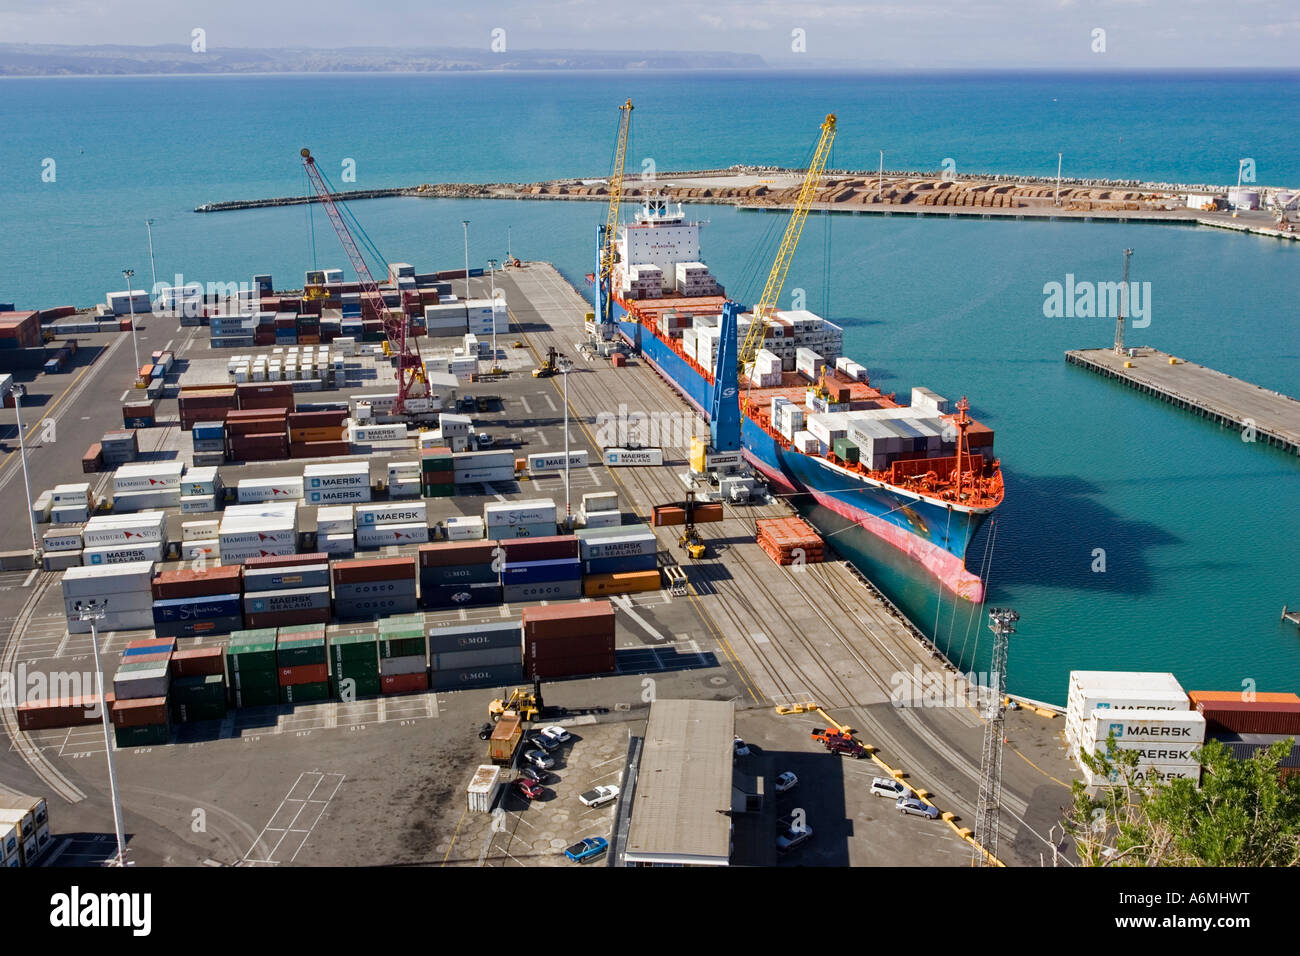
(681, 813)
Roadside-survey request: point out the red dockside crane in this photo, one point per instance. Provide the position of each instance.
(411, 382)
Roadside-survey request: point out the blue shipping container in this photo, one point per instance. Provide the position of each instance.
(152, 649)
(216, 625)
(196, 608)
(540, 572)
(636, 562)
(459, 595)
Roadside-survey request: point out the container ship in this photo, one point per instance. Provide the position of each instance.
(922, 476)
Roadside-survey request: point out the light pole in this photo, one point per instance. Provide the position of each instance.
(492, 277)
(93, 612)
(130, 302)
(465, 224)
(20, 392)
(153, 269)
(565, 366)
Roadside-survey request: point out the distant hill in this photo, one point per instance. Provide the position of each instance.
(27, 59)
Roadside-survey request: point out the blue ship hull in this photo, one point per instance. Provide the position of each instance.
(932, 534)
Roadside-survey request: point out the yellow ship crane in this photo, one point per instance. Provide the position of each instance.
(605, 277)
(776, 278)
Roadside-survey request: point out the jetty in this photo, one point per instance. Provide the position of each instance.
(1262, 414)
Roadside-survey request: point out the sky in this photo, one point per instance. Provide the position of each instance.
(902, 34)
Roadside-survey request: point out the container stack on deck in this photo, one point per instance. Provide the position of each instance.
(252, 668)
(790, 541)
(470, 655)
(369, 588)
(459, 574)
(354, 661)
(568, 640)
(619, 560)
(403, 654)
(541, 569)
(24, 830)
(287, 590)
(140, 688)
(197, 603)
(303, 664)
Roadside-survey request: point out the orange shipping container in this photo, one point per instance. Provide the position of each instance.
(316, 434)
(1228, 696)
(622, 582)
(665, 516)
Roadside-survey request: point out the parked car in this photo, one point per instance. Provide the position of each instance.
(846, 748)
(535, 774)
(587, 849)
(791, 837)
(539, 759)
(485, 732)
(529, 789)
(558, 734)
(541, 740)
(917, 807)
(786, 781)
(485, 440)
(887, 787)
(599, 796)
(741, 748)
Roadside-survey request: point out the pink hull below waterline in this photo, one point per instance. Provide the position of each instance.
(945, 566)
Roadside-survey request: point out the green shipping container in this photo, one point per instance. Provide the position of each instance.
(305, 693)
(295, 651)
(259, 635)
(361, 686)
(255, 696)
(845, 450)
(201, 688)
(188, 713)
(437, 491)
(244, 680)
(147, 736)
(403, 647)
(250, 657)
(346, 648)
(403, 623)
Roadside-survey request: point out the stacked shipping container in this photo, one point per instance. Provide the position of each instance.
(459, 574)
(568, 640)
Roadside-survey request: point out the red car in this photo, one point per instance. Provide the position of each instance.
(528, 789)
(846, 747)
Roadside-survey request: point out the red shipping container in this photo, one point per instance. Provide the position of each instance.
(286, 618)
(379, 569)
(403, 683)
(198, 661)
(549, 548)
(319, 449)
(569, 667)
(321, 419)
(92, 459)
(287, 560)
(446, 554)
(138, 713)
(61, 712)
(1251, 717)
(304, 674)
(188, 583)
(592, 618)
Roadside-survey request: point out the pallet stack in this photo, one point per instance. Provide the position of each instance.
(787, 540)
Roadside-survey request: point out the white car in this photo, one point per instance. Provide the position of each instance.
(599, 796)
(556, 734)
(539, 759)
(791, 837)
(742, 748)
(786, 781)
(887, 787)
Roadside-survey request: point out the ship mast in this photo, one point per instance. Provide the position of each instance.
(1123, 306)
(962, 423)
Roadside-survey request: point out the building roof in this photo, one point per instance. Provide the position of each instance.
(684, 780)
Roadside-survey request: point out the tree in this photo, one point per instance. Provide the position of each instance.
(1244, 813)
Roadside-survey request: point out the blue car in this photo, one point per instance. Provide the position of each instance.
(587, 849)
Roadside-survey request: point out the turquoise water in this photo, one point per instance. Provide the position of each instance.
(1199, 529)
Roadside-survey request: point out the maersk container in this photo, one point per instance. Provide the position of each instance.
(1185, 726)
(337, 496)
(623, 541)
(459, 595)
(288, 599)
(391, 513)
(123, 554)
(488, 635)
(625, 457)
(620, 565)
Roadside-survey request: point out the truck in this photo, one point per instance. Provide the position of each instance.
(520, 701)
(506, 735)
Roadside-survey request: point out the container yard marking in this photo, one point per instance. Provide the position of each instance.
(528, 410)
(31, 577)
(312, 782)
(550, 402)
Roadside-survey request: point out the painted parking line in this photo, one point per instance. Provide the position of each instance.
(296, 817)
